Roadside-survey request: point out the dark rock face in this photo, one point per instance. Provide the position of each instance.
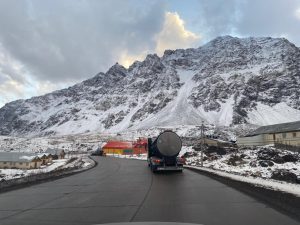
(271, 84)
(235, 160)
(285, 175)
(113, 119)
(242, 73)
(267, 154)
(265, 163)
(253, 164)
(278, 160)
(279, 157)
(217, 150)
(290, 158)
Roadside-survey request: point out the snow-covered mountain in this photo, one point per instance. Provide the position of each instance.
(226, 81)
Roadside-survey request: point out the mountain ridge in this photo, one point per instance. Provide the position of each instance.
(227, 81)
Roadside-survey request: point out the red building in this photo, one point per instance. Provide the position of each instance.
(126, 147)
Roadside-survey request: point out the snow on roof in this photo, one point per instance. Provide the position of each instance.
(17, 156)
(118, 144)
(277, 128)
(53, 151)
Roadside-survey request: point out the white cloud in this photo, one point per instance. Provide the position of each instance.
(174, 35)
(50, 44)
(126, 59)
(10, 89)
(54, 43)
(297, 13)
(16, 81)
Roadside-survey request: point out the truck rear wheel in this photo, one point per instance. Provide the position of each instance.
(153, 168)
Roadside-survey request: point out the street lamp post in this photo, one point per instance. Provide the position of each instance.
(202, 142)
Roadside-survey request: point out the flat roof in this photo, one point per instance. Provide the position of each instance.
(276, 128)
(53, 151)
(18, 156)
(118, 144)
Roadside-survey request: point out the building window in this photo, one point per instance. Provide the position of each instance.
(20, 163)
(294, 135)
(27, 164)
(284, 135)
(4, 163)
(274, 137)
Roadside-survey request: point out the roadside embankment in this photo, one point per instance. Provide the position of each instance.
(73, 166)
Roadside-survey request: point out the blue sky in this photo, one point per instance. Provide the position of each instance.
(51, 44)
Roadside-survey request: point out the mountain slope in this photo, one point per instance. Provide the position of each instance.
(227, 81)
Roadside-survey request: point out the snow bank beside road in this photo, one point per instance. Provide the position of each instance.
(78, 163)
(71, 166)
(263, 166)
(8, 174)
(270, 184)
(134, 156)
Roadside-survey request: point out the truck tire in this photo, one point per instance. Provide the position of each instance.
(153, 169)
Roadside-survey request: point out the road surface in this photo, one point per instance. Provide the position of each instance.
(122, 190)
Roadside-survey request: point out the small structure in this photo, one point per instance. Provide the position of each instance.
(140, 146)
(118, 147)
(213, 142)
(46, 158)
(19, 160)
(56, 153)
(126, 147)
(285, 133)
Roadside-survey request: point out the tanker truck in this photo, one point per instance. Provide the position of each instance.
(163, 152)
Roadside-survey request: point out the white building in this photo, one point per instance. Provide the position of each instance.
(19, 160)
(284, 133)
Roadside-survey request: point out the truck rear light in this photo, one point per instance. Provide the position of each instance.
(181, 160)
(156, 160)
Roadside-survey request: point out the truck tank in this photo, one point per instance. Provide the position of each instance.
(163, 152)
(167, 144)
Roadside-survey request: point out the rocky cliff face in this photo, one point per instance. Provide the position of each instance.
(227, 81)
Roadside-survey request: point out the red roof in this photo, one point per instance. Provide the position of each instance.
(118, 144)
(140, 143)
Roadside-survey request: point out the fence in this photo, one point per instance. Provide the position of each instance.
(287, 147)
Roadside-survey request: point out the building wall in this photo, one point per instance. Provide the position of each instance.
(62, 154)
(251, 141)
(139, 150)
(47, 160)
(113, 151)
(287, 138)
(20, 165)
(217, 143)
(126, 151)
(211, 142)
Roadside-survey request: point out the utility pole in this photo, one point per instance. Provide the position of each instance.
(202, 142)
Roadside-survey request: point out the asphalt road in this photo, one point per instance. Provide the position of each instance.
(122, 190)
